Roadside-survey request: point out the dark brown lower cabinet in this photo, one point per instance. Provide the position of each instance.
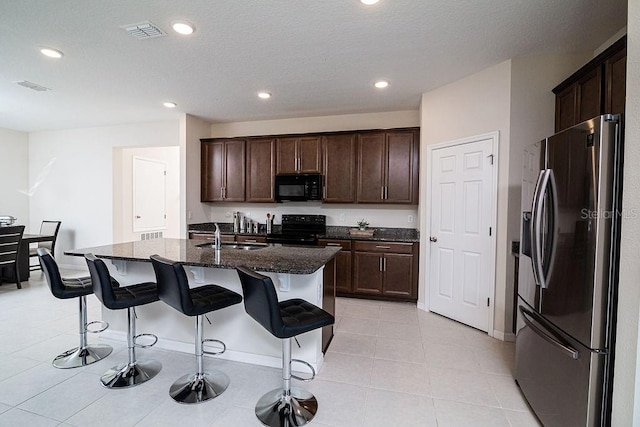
(328, 300)
(343, 264)
(385, 270)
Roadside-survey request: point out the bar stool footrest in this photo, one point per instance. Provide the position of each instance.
(313, 371)
(95, 322)
(155, 337)
(214, 353)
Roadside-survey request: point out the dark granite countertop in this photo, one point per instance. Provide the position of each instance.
(333, 232)
(271, 258)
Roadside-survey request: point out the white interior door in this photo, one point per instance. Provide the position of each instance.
(149, 190)
(461, 266)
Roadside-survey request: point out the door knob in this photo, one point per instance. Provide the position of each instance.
(433, 239)
(138, 217)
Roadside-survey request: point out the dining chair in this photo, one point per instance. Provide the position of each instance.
(10, 239)
(47, 228)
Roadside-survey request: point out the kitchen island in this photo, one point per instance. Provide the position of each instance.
(297, 272)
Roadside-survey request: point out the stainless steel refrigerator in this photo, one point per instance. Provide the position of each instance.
(568, 273)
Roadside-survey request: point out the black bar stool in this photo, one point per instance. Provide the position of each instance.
(286, 406)
(73, 288)
(135, 371)
(173, 288)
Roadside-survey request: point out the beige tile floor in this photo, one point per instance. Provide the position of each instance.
(389, 364)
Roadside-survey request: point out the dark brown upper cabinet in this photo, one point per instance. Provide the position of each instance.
(597, 88)
(339, 168)
(388, 167)
(299, 154)
(222, 171)
(261, 167)
(615, 82)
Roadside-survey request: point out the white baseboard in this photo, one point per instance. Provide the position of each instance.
(422, 306)
(502, 336)
(234, 356)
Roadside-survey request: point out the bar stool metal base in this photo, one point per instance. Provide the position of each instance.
(77, 357)
(274, 409)
(196, 388)
(130, 374)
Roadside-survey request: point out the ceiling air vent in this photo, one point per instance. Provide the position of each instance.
(33, 86)
(144, 30)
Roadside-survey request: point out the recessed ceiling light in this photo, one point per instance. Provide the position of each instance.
(51, 53)
(170, 104)
(369, 2)
(381, 84)
(183, 28)
(264, 95)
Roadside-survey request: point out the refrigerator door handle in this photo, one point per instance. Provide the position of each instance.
(529, 320)
(553, 186)
(536, 220)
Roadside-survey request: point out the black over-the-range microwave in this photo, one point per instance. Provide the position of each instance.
(298, 188)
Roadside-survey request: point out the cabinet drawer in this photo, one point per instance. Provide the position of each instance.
(251, 239)
(211, 236)
(344, 244)
(201, 236)
(395, 247)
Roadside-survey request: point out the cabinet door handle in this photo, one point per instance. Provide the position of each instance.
(380, 264)
(251, 241)
(384, 264)
(334, 244)
(383, 247)
(222, 192)
(382, 193)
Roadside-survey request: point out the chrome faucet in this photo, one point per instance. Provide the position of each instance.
(217, 242)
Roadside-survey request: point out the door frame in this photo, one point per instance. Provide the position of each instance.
(426, 246)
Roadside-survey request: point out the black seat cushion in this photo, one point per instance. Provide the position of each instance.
(173, 288)
(283, 319)
(300, 316)
(134, 295)
(116, 298)
(61, 288)
(211, 297)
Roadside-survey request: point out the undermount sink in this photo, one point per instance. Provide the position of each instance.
(231, 245)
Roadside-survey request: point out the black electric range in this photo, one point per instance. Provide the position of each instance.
(299, 230)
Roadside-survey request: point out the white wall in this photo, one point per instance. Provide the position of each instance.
(532, 119)
(123, 190)
(377, 215)
(77, 189)
(626, 393)
(392, 119)
(475, 105)
(515, 99)
(14, 191)
(191, 130)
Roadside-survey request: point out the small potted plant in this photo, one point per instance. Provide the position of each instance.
(362, 224)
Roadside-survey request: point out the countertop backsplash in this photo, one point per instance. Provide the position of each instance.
(333, 232)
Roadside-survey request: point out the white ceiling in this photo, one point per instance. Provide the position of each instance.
(316, 57)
